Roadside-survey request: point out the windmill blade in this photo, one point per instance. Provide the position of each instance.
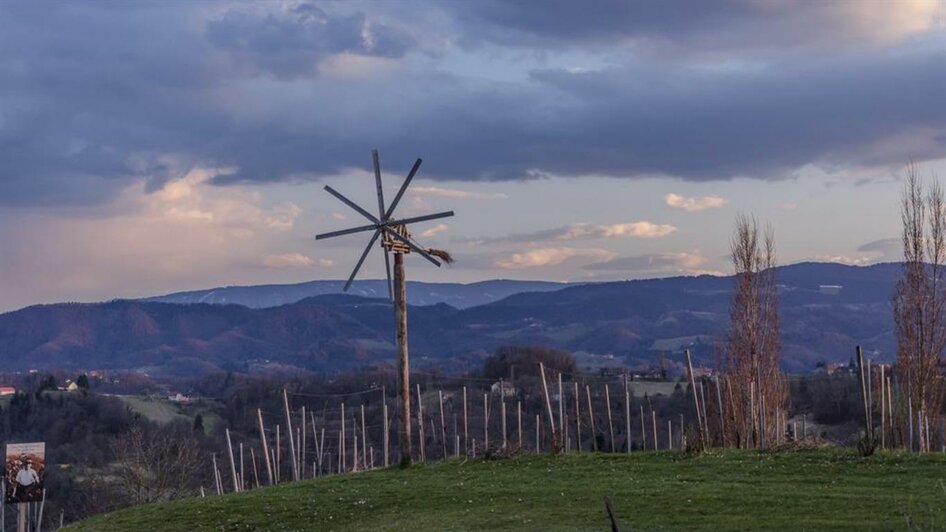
(387, 270)
(346, 231)
(424, 218)
(410, 244)
(362, 259)
(375, 160)
(403, 188)
(351, 204)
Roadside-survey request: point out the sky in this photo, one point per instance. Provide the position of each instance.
(151, 147)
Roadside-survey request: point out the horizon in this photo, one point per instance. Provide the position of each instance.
(565, 284)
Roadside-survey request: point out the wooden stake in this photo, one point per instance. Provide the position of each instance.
(670, 434)
(519, 422)
(236, 482)
(537, 423)
(485, 423)
(548, 405)
(292, 445)
(302, 446)
(643, 431)
(420, 425)
(653, 416)
(561, 412)
(607, 402)
(443, 426)
(466, 425)
(883, 410)
(263, 438)
(696, 398)
(255, 470)
(242, 478)
(387, 431)
(627, 414)
(719, 405)
(502, 404)
(343, 453)
(577, 418)
(591, 418)
(364, 438)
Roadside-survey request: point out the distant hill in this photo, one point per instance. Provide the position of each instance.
(418, 293)
(827, 309)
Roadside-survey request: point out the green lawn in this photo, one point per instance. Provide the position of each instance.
(807, 490)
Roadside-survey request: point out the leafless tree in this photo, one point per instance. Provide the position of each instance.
(154, 467)
(756, 388)
(920, 301)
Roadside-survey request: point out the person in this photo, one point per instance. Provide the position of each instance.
(27, 476)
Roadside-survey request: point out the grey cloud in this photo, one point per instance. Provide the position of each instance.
(289, 41)
(655, 263)
(888, 249)
(95, 95)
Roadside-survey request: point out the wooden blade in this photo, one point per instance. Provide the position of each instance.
(346, 231)
(400, 192)
(362, 259)
(424, 218)
(351, 204)
(375, 159)
(387, 270)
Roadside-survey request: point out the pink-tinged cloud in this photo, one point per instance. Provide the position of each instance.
(295, 260)
(435, 230)
(442, 192)
(694, 204)
(536, 258)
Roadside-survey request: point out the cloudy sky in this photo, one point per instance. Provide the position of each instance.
(154, 147)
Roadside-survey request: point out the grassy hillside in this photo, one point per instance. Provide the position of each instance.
(729, 490)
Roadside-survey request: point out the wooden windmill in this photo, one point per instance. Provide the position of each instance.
(395, 239)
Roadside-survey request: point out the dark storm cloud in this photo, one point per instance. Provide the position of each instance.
(93, 96)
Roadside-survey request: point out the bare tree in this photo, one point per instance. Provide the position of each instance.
(920, 301)
(154, 467)
(756, 386)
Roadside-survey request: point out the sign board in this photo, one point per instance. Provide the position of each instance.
(26, 468)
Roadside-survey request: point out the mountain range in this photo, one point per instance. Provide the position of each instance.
(826, 310)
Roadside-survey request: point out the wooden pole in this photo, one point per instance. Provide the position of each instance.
(403, 358)
(561, 412)
(883, 410)
(627, 414)
(577, 418)
(263, 438)
(653, 416)
(322, 451)
(292, 445)
(591, 419)
(387, 431)
(343, 453)
(302, 446)
(502, 404)
(519, 422)
(548, 405)
(236, 483)
(420, 425)
(255, 470)
(696, 398)
(364, 439)
(537, 423)
(863, 376)
(485, 423)
(719, 405)
(706, 431)
(443, 426)
(242, 478)
(466, 425)
(670, 434)
(643, 431)
(607, 402)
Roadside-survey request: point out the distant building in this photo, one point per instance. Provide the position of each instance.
(701, 372)
(507, 389)
(830, 289)
(7, 390)
(179, 398)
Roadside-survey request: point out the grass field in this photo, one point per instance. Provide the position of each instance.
(732, 490)
(162, 411)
